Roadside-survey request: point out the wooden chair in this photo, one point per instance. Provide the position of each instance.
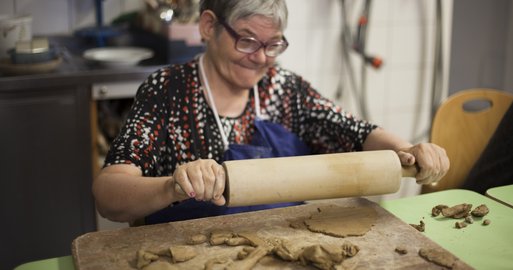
(463, 125)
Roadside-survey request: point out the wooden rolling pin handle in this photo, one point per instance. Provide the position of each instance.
(410, 171)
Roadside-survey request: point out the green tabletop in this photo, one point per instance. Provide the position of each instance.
(60, 263)
(502, 194)
(482, 247)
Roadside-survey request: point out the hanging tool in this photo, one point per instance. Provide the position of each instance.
(361, 38)
(357, 43)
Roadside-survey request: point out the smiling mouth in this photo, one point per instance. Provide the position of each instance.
(253, 68)
(250, 67)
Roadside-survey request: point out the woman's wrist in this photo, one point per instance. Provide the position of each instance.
(172, 190)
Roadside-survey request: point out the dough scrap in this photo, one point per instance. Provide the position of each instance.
(144, 258)
(438, 209)
(237, 239)
(321, 256)
(419, 227)
(480, 211)
(457, 211)
(244, 252)
(342, 221)
(438, 256)
(401, 250)
(219, 237)
(253, 239)
(251, 259)
(349, 250)
(288, 250)
(182, 253)
(327, 256)
(197, 239)
(460, 225)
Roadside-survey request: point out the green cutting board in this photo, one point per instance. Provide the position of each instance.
(482, 247)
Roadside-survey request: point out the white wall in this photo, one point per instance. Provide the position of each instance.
(65, 16)
(401, 32)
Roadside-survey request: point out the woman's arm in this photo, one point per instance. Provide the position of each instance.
(430, 158)
(123, 194)
(380, 139)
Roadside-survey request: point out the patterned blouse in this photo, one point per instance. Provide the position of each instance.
(171, 123)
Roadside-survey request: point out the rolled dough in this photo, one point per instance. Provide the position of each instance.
(342, 221)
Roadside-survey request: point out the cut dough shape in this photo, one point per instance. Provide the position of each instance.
(253, 239)
(342, 221)
(182, 253)
(327, 256)
(251, 259)
(438, 256)
(289, 250)
(144, 258)
(197, 239)
(219, 237)
(245, 252)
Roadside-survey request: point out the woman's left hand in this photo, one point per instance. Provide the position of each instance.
(430, 158)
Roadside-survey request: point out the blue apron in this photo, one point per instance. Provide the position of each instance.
(269, 140)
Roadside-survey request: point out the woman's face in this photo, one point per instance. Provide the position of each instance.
(241, 70)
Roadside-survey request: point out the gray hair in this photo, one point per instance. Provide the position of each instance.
(233, 10)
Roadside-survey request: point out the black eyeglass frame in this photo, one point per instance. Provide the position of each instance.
(283, 42)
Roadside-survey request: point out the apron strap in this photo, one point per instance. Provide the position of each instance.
(213, 105)
(257, 102)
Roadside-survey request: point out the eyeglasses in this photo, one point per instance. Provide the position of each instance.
(250, 45)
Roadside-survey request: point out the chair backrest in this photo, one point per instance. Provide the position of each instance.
(463, 125)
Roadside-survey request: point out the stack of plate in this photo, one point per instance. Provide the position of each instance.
(117, 56)
(30, 57)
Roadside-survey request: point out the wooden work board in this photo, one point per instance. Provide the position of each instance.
(117, 249)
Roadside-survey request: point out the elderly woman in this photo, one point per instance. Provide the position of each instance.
(232, 102)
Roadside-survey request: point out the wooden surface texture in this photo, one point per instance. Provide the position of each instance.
(117, 249)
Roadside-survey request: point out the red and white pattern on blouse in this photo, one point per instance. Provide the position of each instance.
(170, 122)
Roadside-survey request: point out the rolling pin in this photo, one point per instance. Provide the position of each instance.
(313, 177)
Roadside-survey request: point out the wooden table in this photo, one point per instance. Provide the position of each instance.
(482, 247)
(117, 249)
(502, 194)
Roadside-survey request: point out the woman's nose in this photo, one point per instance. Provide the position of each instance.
(259, 56)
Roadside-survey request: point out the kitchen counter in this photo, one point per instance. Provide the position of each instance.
(75, 70)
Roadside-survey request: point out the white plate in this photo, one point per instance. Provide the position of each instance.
(118, 56)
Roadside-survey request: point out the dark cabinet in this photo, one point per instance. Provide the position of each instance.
(45, 172)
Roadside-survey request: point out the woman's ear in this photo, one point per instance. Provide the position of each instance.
(207, 25)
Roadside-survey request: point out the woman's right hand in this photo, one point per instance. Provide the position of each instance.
(202, 179)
